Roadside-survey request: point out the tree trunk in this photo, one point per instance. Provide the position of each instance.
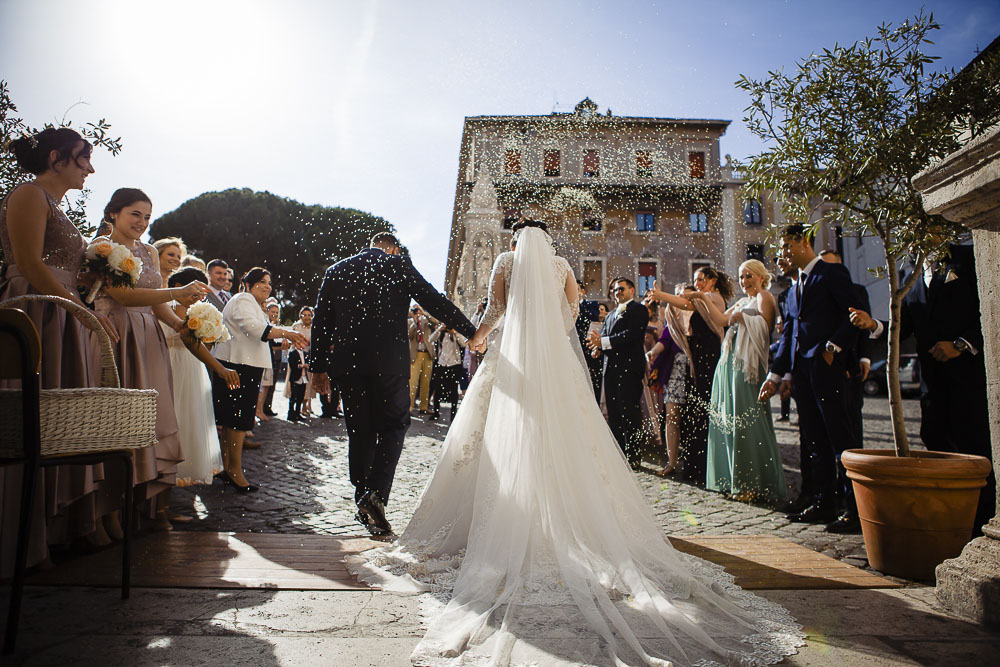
(896, 295)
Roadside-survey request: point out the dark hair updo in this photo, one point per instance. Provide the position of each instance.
(185, 275)
(32, 152)
(119, 200)
(723, 283)
(521, 224)
(254, 276)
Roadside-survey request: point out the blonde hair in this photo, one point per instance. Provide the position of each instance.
(162, 244)
(758, 269)
(192, 260)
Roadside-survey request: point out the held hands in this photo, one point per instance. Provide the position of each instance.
(321, 383)
(295, 338)
(594, 341)
(862, 320)
(768, 389)
(944, 350)
(478, 343)
(190, 293)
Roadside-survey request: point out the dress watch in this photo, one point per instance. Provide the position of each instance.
(830, 347)
(960, 345)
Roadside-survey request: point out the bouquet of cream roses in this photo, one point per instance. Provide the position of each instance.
(204, 321)
(113, 263)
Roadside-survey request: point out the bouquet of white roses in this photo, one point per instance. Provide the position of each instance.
(113, 263)
(204, 321)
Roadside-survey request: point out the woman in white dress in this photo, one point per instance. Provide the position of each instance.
(533, 528)
(193, 395)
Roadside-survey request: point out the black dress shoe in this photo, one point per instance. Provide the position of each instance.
(813, 514)
(270, 413)
(799, 504)
(371, 507)
(848, 522)
(782, 418)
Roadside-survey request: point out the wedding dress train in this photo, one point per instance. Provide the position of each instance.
(533, 540)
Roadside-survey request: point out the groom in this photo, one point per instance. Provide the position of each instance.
(359, 340)
(621, 343)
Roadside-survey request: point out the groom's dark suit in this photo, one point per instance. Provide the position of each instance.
(818, 314)
(359, 338)
(624, 369)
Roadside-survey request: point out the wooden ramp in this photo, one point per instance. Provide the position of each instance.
(189, 559)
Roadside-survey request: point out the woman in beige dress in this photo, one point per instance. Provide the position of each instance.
(142, 355)
(43, 252)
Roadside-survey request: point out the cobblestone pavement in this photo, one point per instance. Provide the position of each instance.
(304, 487)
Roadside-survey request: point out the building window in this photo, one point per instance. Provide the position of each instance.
(512, 162)
(510, 216)
(647, 276)
(643, 164)
(551, 163)
(591, 163)
(755, 251)
(696, 165)
(752, 214)
(592, 222)
(593, 277)
(645, 222)
(699, 222)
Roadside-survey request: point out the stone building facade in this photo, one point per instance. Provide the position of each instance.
(644, 198)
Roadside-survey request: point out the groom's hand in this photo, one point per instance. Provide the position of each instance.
(321, 383)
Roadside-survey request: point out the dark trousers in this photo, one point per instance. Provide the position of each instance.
(596, 374)
(298, 394)
(622, 393)
(825, 428)
(377, 415)
(786, 406)
(330, 402)
(447, 378)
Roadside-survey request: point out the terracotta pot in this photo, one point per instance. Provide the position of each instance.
(915, 511)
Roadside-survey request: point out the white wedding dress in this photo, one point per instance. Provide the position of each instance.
(533, 540)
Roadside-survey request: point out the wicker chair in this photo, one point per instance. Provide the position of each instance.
(49, 427)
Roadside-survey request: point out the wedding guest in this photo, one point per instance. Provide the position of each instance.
(586, 322)
(171, 252)
(304, 327)
(190, 363)
(704, 342)
(196, 262)
(296, 381)
(786, 269)
(448, 368)
(248, 354)
(621, 344)
(812, 360)
(602, 312)
(141, 354)
(228, 285)
(421, 364)
(472, 358)
(744, 461)
(669, 368)
(266, 399)
(217, 295)
(43, 253)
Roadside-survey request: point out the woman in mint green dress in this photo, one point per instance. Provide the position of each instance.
(743, 457)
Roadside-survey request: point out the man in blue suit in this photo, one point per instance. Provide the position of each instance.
(813, 357)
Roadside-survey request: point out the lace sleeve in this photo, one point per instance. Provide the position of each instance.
(497, 304)
(570, 287)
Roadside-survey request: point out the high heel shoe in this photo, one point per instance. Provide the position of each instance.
(249, 488)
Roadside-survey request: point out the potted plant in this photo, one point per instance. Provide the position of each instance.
(846, 133)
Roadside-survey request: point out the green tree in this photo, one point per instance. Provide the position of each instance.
(13, 127)
(297, 242)
(852, 126)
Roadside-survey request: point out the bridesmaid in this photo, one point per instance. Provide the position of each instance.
(171, 252)
(744, 461)
(704, 339)
(43, 252)
(141, 354)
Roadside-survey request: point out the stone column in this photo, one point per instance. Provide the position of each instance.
(965, 187)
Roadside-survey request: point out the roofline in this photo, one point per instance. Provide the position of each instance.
(572, 117)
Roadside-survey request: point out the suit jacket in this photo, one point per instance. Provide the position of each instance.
(362, 310)
(627, 333)
(863, 348)
(295, 357)
(215, 301)
(427, 329)
(820, 315)
(947, 310)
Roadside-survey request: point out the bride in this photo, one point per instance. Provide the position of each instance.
(533, 537)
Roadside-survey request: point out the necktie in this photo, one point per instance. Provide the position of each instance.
(224, 297)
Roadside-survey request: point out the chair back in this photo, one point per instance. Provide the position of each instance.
(18, 336)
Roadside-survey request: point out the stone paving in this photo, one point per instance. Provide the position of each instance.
(304, 487)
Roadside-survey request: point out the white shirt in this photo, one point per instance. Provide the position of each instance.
(606, 340)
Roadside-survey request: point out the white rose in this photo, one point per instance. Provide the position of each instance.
(118, 255)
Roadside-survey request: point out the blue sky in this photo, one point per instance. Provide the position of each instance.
(360, 103)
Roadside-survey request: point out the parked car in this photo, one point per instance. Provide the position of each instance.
(909, 376)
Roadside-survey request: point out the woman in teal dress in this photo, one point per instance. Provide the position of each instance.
(743, 457)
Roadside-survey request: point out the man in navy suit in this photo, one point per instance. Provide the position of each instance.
(359, 339)
(942, 311)
(621, 341)
(813, 356)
